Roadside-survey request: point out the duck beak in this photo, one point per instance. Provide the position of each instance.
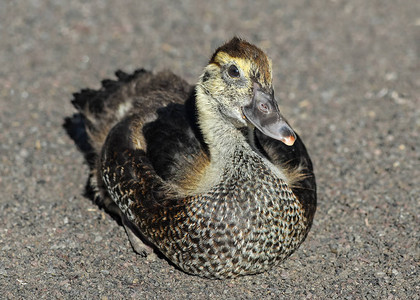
(263, 112)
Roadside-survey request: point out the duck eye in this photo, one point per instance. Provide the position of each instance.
(233, 71)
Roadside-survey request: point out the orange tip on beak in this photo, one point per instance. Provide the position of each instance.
(289, 140)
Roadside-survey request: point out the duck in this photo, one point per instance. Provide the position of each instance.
(211, 175)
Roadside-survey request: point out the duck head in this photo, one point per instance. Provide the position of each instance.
(237, 83)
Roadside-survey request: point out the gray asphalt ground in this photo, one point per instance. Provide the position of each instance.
(347, 77)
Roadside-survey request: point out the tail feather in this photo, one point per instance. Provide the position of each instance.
(95, 101)
(102, 109)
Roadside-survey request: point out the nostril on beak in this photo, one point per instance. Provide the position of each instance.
(264, 108)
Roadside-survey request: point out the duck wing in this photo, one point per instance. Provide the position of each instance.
(151, 115)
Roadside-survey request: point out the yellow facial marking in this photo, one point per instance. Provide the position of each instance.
(259, 67)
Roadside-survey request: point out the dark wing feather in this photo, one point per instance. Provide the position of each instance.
(173, 141)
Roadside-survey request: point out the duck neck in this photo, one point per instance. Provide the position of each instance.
(221, 136)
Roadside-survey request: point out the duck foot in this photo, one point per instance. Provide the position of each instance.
(136, 242)
(134, 235)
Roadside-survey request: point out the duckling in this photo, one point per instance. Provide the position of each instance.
(211, 176)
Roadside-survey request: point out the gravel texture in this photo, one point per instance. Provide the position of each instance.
(347, 76)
